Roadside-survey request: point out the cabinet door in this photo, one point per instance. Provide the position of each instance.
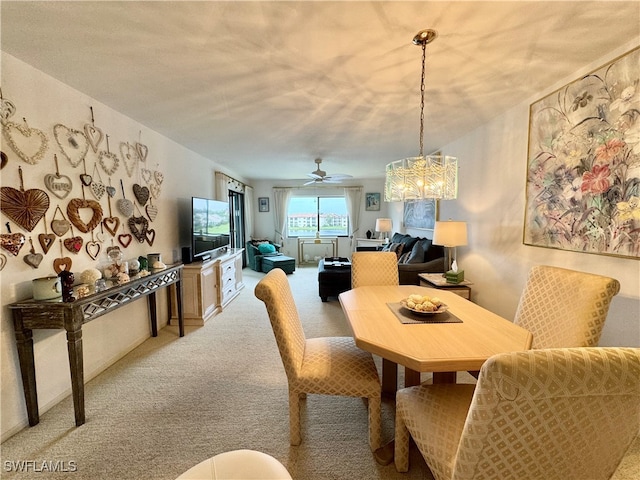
(209, 291)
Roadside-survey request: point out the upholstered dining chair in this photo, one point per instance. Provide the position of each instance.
(238, 465)
(564, 308)
(374, 268)
(550, 413)
(326, 365)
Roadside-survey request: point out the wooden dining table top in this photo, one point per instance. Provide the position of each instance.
(429, 347)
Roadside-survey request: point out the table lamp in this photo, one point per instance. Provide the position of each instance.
(383, 225)
(450, 234)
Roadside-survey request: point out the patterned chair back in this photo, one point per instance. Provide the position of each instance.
(374, 268)
(275, 292)
(565, 308)
(552, 414)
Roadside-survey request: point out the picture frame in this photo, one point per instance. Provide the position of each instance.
(372, 202)
(420, 214)
(583, 179)
(263, 204)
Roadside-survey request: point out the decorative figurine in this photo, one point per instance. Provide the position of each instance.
(67, 279)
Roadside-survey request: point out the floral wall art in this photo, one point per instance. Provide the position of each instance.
(583, 171)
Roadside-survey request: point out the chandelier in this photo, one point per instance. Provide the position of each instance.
(430, 176)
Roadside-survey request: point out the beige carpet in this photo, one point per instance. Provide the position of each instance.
(174, 401)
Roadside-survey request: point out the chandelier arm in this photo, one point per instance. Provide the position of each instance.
(422, 88)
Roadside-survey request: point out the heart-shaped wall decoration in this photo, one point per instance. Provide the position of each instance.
(59, 185)
(152, 212)
(146, 174)
(125, 239)
(142, 151)
(111, 191)
(138, 227)
(98, 189)
(93, 249)
(86, 179)
(150, 236)
(33, 259)
(7, 109)
(129, 157)
(109, 162)
(3, 261)
(62, 265)
(141, 194)
(155, 190)
(125, 206)
(26, 208)
(60, 227)
(46, 241)
(73, 244)
(158, 176)
(12, 242)
(73, 211)
(29, 143)
(3, 160)
(94, 136)
(73, 143)
(111, 225)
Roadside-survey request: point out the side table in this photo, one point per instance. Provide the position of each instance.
(436, 280)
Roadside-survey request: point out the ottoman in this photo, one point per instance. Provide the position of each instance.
(284, 263)
(333, 280)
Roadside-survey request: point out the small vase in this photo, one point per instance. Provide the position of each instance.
(368, 233)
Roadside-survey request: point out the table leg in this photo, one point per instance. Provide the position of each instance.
(389, 378)
(411, 377)
(153, 314)
(179, 306)
(24, 342)
(74, 347)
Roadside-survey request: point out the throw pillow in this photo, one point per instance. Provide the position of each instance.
(417, 254)
(397, 248)
(266, 248)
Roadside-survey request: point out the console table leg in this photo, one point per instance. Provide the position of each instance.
(153, 314)
(179, 300)
(74, 346)
(24, 342)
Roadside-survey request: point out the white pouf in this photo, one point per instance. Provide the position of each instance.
(238, 465)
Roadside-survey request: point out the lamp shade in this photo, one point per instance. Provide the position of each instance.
(383, 225)
(450, 233)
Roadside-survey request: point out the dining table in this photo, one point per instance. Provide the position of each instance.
(460, 338)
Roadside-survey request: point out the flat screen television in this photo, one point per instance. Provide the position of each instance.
(210, 227)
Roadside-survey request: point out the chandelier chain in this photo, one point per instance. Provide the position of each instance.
(422, 88)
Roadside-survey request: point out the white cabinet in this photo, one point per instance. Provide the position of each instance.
(207, 287)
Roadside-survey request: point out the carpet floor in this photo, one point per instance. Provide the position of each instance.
(173, 402)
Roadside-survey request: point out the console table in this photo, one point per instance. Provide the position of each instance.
(70, 316)
(317, 242)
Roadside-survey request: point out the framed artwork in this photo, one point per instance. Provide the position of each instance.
(372, 202)
(583, 166)
(263, 204)
(421, 214)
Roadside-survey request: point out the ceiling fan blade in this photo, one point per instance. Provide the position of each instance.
(336, 176)
(331, 180)
(311, 182)
(314, 176)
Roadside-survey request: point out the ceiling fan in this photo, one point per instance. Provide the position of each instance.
(320, 176)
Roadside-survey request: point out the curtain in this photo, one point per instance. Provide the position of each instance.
(353, 197)
(281, 197)
(224, 183)
(248, 212)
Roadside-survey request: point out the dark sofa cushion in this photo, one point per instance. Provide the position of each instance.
(416, 255)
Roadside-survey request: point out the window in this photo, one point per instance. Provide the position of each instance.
(326, 215)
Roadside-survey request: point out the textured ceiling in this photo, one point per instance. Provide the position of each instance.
(279, 83)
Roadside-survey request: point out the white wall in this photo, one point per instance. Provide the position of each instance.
(492, 162)
(44, 102)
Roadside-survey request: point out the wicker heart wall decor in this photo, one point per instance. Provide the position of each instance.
(73, 143)
(26, 208)
(141, 194)
(73, 211)
(139, 226)
(30, 144)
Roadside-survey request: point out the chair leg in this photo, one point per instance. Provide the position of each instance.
(375, 430)
(401, 450)
(294, 418)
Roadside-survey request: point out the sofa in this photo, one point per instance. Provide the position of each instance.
(257, 250)
(415, 255)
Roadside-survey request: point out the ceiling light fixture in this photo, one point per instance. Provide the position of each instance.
(431, 176)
